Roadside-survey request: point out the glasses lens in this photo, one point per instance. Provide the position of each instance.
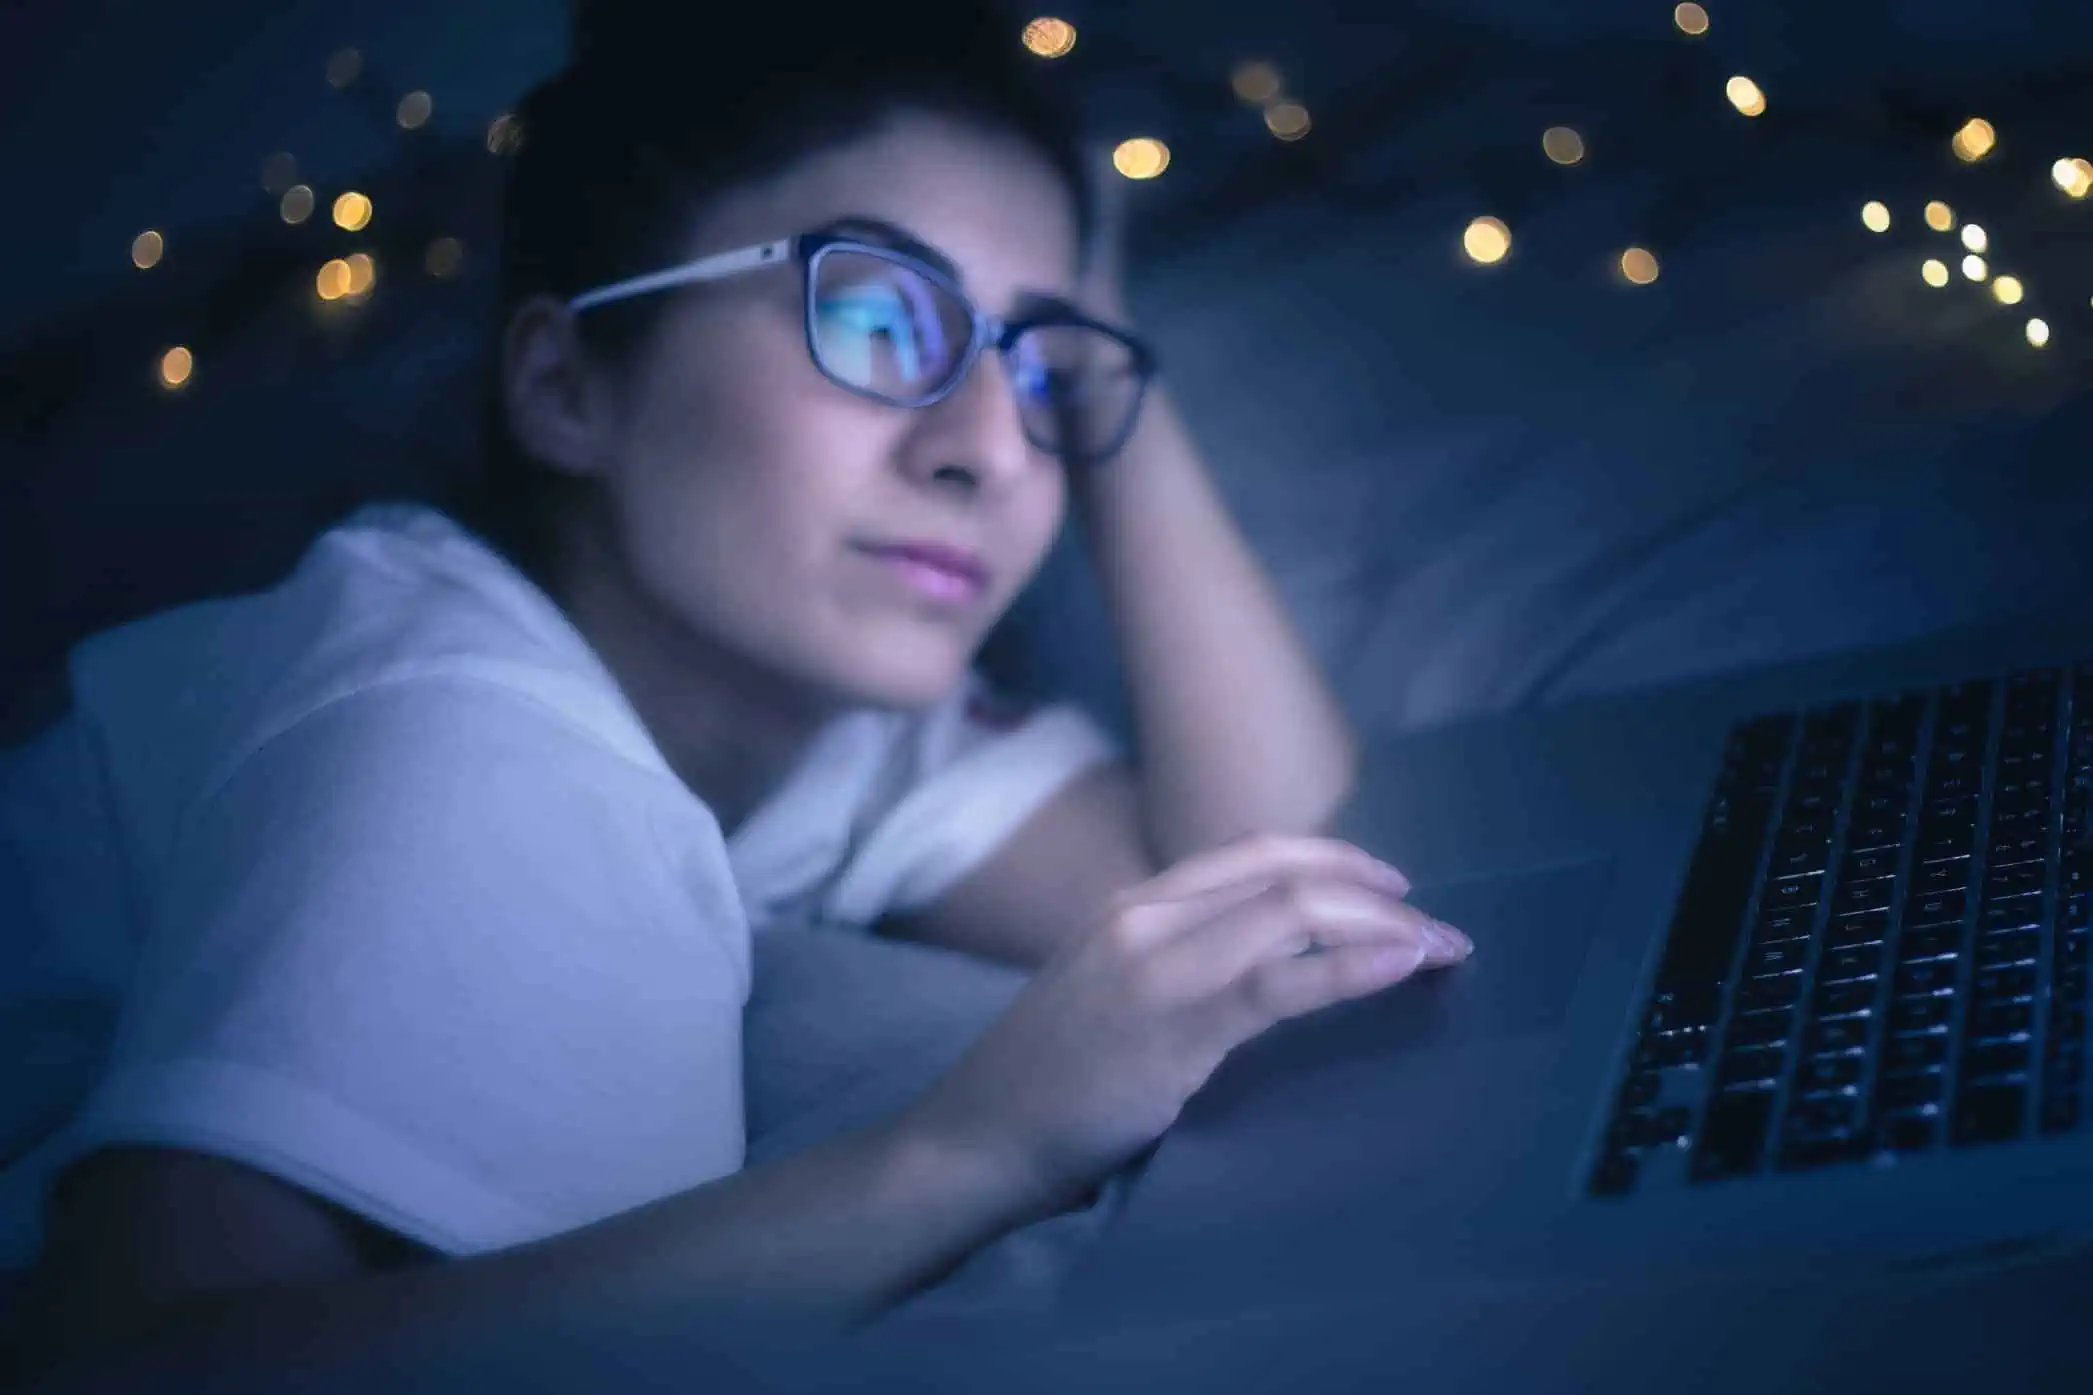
(886, 329)
(1078, 389)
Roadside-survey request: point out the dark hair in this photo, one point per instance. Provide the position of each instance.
(657, 114)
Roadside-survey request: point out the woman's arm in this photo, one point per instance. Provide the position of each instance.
(172, 1270)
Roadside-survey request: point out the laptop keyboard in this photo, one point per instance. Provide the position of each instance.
(1881, 945)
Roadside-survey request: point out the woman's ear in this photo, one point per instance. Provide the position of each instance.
(558, 405)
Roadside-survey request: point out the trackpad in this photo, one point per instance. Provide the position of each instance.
(1532, 933)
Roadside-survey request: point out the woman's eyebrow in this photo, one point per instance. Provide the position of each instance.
(898, 238)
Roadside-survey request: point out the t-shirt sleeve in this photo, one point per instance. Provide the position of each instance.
(974, 768)
(441, 956)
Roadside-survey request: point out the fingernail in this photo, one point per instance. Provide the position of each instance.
(1452, 941)
(1392, 961)
(1393, 877)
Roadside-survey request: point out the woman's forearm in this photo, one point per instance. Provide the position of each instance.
(1238, 731)
(824, 1238)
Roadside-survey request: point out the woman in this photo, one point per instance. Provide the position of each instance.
(449, 848)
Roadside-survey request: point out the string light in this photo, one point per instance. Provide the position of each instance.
(2008, 290)
(1974, 268)
(444, 257)
(1745, 96)
(352, 212)
(1487, 240)
(2038, 332)
(413, 110)
(1935, 271)
(332, 282)
(1255, 83)
(1287, 120)
(1940, 217)
(504, 134)
(1639, 266)
(343, 67)
(296, 205)
(2073, 176)
(1691, 19)
(146, 249)
(1048, 37)
(176, 367)
(1875, 214)
(1562, 145)
(1975, 238)
(279, 172)
(363, 272)
(1974, 141)
(1141, 158)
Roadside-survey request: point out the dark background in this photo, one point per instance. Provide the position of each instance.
(1478, 486)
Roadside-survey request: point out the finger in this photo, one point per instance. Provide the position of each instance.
(1294, 917)
(1267, 857)
(1283, 988)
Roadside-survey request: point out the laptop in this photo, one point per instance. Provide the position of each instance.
(1783, 972)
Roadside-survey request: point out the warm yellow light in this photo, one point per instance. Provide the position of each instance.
(1562, 145)
(2008, 289)
(1287, 120)
(333, 280)
(1255, 83)
(1744, 94)
(414, 110)
(1691, 19)
(1875, 214)
(352, 212)
(1975, 238)
(146, 249)
(445, 256)
(1639, 266)
(2038, 332)
(1940, 217)
(2073, 176)
(344, 66)
(504, 134)
(1973, 267)
(279, 172)
(296, 204)
(1141, 158)
(1935, 271)
(1487, 240)
(1975, 140)
(176, 366)
(1049, 37)
(362, 272)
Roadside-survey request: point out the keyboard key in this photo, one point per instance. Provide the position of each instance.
(2011, 947)
(1753, 1065)
(1915, 1052)
(1944, 909)
(1939, 878)
(1838, 1034)
(1997, 1058)
(1615, 1174)
(1993, 1020)
(1759, 1028)
(1909, 1133)
(1668, 1050)
(1929, 943)
(1852, 961)
(1829, 1073)
(1669, 1127)
(1883, 831)
(1732, 1135)
(1875, 894)
(2060, 1114)
(1790, 892)
(1640, 1090)
(1926, 976)
(1989, 1113)
(1785, 924)
(1869, 863)
(1773, 991)
(1921, 1014)
(1825, 1114)
(2017, 981)
(1864, 928)
(1910, 1090)
(2014, 913)
(1779, 957)
(2017, 879)
(1843, 999)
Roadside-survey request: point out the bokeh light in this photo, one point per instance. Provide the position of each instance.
(1974, 268)
(445, 257)
(1049, 37)
(344, 66)
(1255, 83)
(279, 172)
(1141, 158)
(2073, 176)
(1487, 240)
(1745, 96)
(1639, 266)
(1875, 215)
(2008, 290)
(332, 282)
(1935, 271)
(177, 365)
(1940, 217)
(1975, 238)
(414, 110)
(1287, 120)
(352, 212)
(146, 249)
(1691, 19)
(1975, 140)
(2038, 332)
(1562, 145)
(296, 205)
(504, 134)
(363, 272)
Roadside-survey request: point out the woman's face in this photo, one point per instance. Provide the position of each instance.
(741, 490)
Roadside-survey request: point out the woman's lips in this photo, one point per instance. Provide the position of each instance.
(936, 573)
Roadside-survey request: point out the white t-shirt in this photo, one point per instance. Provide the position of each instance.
(407, 908)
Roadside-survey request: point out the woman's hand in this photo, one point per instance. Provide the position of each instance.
(1095, 1059)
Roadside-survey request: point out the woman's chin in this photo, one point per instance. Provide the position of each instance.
(888, 682)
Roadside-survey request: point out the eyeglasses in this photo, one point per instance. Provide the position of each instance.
(887, 326)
